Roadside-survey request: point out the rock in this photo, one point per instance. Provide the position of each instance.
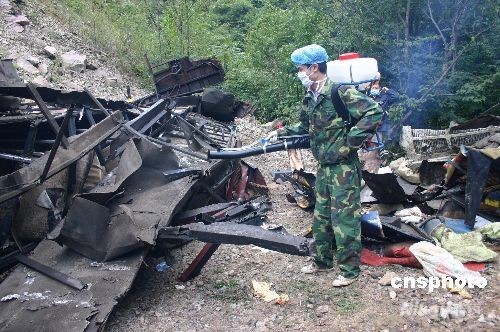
(387, 277)
(17, 28)
(91, 66)
(444, 314)
(392, 294)
(38, 44)
(457, 313)
(321, 310)
(491, 316)
(74, 61)
(113, 81)
(18, 19)
(33, 60)
(50, 52)
(27, 67)
(40, 81)
(43, 68)
(481, 319)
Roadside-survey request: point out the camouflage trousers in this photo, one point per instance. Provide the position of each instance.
(336, 225)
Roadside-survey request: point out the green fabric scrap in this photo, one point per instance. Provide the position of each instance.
(468, 247)
(491, 231)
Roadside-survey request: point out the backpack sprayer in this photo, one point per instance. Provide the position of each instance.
(350, 69)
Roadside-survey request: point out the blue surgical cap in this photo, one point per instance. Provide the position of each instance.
(309, 54)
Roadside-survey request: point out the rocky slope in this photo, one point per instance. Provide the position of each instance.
(50, 53)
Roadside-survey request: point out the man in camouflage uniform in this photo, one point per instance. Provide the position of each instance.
(336, 223)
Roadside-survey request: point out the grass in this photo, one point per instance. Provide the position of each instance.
(230, 291)
(346, 300)
(230, 283)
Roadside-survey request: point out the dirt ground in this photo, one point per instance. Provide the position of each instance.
(221, 298)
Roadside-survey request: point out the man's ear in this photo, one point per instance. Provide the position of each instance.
(315, 67)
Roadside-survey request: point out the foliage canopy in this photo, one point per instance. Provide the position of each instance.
(441, 56)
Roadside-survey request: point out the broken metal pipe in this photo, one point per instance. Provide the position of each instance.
(293, 142)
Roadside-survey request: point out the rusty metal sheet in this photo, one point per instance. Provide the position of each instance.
(183, 76)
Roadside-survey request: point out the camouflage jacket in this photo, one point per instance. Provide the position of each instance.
(330, 140)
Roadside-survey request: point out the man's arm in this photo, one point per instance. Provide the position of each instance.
(299, 128)
(364, 108)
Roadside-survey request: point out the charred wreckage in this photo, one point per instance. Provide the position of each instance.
(89, 186)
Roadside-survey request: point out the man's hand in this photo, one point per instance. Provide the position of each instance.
(272, 136)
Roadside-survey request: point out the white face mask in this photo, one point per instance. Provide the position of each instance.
(306, 81)
(304, 78)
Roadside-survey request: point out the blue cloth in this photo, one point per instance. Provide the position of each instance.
(457, 225)
(309, 54)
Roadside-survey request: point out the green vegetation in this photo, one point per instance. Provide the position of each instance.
(230, 283)
(441, 56)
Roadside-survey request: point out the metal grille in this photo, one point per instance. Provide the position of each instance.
(421, 144)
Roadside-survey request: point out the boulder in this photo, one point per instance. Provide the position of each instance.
(18, 19)
(26, 66)
(43, 68)
(74, 61)
(17, 28)
(33, 60)
(91, 66)
(50, 52)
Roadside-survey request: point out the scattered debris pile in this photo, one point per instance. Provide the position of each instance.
(445, 191)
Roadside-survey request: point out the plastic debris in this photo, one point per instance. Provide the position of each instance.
(438, 262)
(387, 278)
(262, 290)
(162, 266)
(460, 291)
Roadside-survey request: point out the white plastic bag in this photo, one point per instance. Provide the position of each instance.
(438, 262)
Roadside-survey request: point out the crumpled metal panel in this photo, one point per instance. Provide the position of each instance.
(29, 176)
(127, 207)
(30, 301)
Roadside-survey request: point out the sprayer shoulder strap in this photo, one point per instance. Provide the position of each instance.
(340, 108)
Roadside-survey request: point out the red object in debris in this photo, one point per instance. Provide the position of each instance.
(475, 266)
(349, 56)
(279, 125)
(404, 258)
